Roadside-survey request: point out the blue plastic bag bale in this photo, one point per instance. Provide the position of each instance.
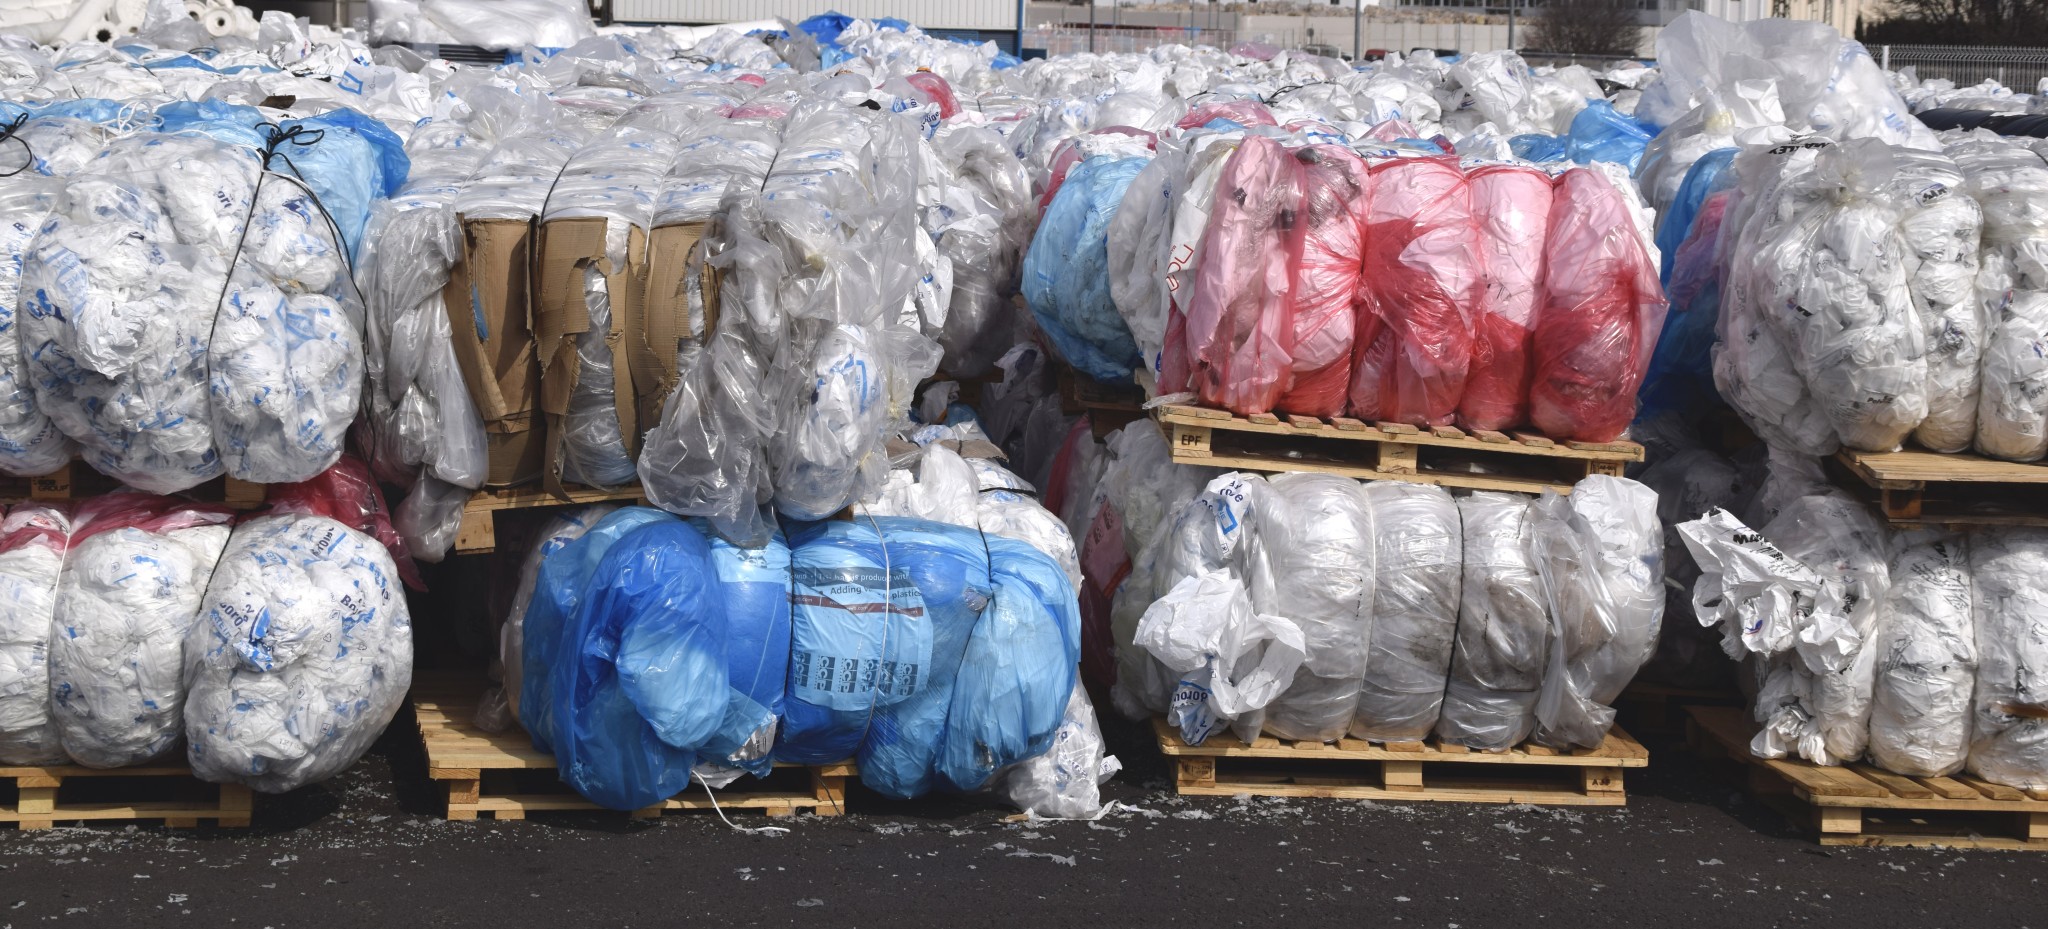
(755, 582)
(864, 626)
(557, 594)
(1680, 379)
(1706, 176)
(1011, 693)
(1600, 133)
(1537, 147)
(1066, 270)
(644, 683)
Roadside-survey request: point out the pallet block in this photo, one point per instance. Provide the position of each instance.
(76, 480)
(502, 776)
(1518, 461)
(1863, 805)
(1354, 769)
(1916, 487)
(41, 799)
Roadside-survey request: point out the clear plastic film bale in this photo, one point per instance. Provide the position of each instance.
(1600, 553)
(2011, 187)
(2009, 728)
(1941, 228)
(1840, 540)
(133, 585)
(30, 444)
(1316, 567)
(33, 540)
(1921, 710)
(1503, 639)
(1419, 554)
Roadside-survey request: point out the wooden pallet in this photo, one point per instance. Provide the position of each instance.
(77, 480)
(1916, 487)
(1109, 407)
(1387, 451)
(1860, 804)
(1353, 769)
(479, 531)
(503, 776)
(1659, 709)
(49, 794)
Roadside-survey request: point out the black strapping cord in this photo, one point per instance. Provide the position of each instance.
(10, 131)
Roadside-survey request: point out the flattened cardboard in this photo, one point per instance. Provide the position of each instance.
(663, 320)
(488, 303)
(567, 249)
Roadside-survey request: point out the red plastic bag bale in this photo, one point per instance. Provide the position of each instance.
(1511, 204)
(1104, 566)
(1421, 281)
(1240, 319)
(1245, 113)
(346, 494)
(936, 90)
(1054, 496)
(1600, 312)
(1335, 185)
(125, 508)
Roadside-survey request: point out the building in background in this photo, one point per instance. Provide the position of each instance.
(997, 21)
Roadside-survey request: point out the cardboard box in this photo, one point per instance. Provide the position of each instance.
(488, 297)
(681, 302)
(568, 249)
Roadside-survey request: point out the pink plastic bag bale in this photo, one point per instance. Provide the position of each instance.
(123, 509)
(1511, 204)
(1421, 280)
(1240, 318)
(1599, 317)
(1335, 185)
(346, 494)
(1242, 112)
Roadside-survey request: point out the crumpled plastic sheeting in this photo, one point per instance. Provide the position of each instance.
(1315, 565)
(1940, 228)
(987, 221)
(1240, 318)
(33, 539)
(2010, 184)
(2009, 739)
(1926, 650)
(30, 444)
(1064, 783)
(499, 707)
(949, 489)
(1599, 315)
(1066, 271)
(1511, 205)
(1232, 662)
(132, 588)
(1419, 554)
(301, 656)
(1208, 531)
(492, 24)
(1503, 638)
(1818, 704)
(1336, 191)
(1600, 553)
(1421, 279)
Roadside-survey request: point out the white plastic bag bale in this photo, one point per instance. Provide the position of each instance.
(499, 707)
(30, 444)
(492, 24)
(33, 539)
(1920, 709)
(1820, 709)
(1503, 640)
(1317, 569)
(1419, 554)
(302, 654)
(2009, 730)
(1941, 226)
(1207, 533)
(982, 226)
(2010, 184)
(126, 278)
(131, 590)
(1231, 661)
(1065, 782)
(1600, 553)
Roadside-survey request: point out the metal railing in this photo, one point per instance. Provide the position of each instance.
(2021, 69)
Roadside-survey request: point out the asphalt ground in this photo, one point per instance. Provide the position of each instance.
(370, 849)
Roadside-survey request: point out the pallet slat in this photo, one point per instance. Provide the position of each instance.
(476, 765)
(1226, 766)
(1915, 487)
(1864, 805)
(41, 801)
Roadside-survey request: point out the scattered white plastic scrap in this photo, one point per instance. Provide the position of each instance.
(1766, 602)
(1206, 621)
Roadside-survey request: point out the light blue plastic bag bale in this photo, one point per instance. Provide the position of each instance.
(556, 596)
(1007, 702)
(755, 582)
(1066, 270)
(1600, 133)
(1535, 146)
(643, 685)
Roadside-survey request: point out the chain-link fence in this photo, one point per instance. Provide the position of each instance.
(2021, 69)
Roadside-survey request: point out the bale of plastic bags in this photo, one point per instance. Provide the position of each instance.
(1419, 554)
(1231, 662)
(33, 539)
(1511, 206)
(1336, 192)
(499, 708)
(303, 648)
(2009, 728)
(132, 588)
(1600, 554)
(1600, 313)
(1065, 782)
(1926, 651)
(1503, 638)
(1066, 271)
(1818, 704)
(1421, 278)
(1240, 318)
(2010, 185)
(755, 584)
(1316, 566)
(1940, 229)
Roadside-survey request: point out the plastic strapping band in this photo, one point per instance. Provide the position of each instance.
(9, 131)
